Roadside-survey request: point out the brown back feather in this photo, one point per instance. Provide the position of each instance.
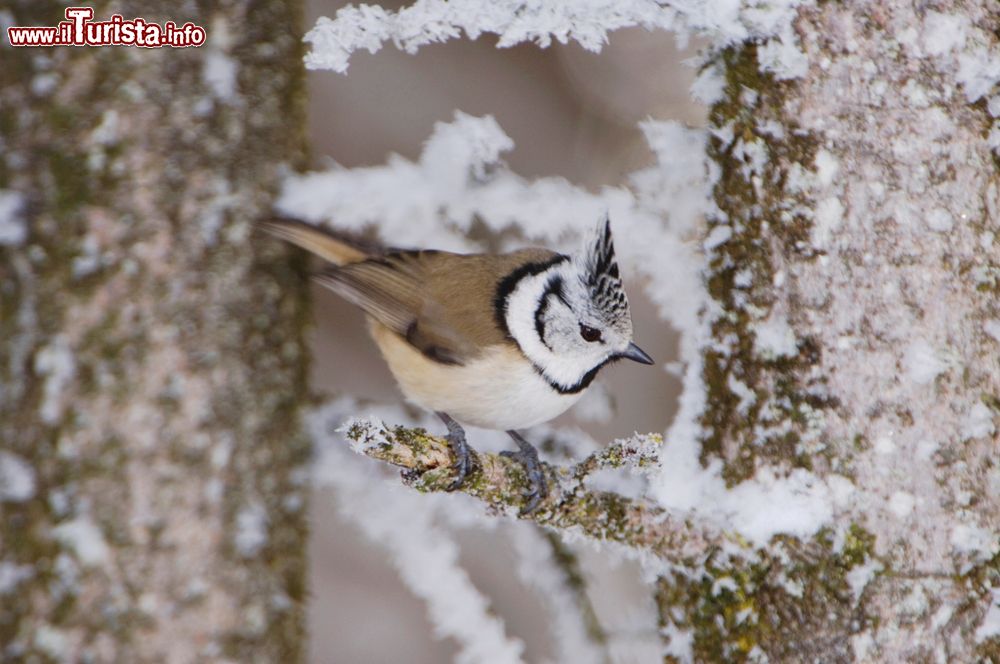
(440, 302)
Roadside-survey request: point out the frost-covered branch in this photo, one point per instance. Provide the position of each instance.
(515, 21)
(500, 483)
(420, 546)
(552, 568)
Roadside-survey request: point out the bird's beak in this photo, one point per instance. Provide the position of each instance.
(636, 354)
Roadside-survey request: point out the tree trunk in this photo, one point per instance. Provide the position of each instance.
(856, 293)
(151, 351)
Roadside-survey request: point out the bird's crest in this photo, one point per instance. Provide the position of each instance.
(602, 278)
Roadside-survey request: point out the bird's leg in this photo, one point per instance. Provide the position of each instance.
(528, 456)
(459, 448)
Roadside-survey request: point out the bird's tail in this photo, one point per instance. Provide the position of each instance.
(326, 244)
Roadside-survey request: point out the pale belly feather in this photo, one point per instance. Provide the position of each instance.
(499, 390)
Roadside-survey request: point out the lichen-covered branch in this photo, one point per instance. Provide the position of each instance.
(500, 482)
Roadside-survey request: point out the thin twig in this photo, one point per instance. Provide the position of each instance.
(567, 560)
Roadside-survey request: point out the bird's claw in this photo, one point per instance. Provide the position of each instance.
(463, 460)
(459, 449)
(537, 488)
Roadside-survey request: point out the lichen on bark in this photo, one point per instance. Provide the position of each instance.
(859, 202)
(786, 603)
(761, 403)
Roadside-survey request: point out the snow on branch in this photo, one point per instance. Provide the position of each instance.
(420, 547)
(514, 21)
(551, 568)
(500, 483)
(459, 178)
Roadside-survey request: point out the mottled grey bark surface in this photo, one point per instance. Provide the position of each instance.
(151, 348)
(855, 297)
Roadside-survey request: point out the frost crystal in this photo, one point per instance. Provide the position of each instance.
(586, 22)
(978, 541)
(978, 71)
(859, 577)
(11, 575)
(992, 328)
(12, 227)
(990, 627)
(85, 539)
(827, 168)
(361, 445)
(901, 503)
(943, 33)
(967, 52)
(220, 70)
(251, 530)
(922, 363)
(747, 396)
(710, 86)
(775, 337)
(52, 642)
(57, 363)
(939, 219)
(219, 74)
(717, 237)
(17, 478)
(979, 422)
(782, 57)
(829, 216)
(106, 133)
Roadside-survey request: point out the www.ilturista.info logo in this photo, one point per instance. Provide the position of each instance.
(79, 30)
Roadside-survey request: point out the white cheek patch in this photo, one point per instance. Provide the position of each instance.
(565, 370)
(555, 324)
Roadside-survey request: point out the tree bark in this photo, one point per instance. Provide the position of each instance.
(854, 295)
(151, 350)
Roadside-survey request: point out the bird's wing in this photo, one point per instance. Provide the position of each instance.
(441, 303)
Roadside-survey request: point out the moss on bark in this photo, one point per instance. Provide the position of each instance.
(766, 222)
(786, 604)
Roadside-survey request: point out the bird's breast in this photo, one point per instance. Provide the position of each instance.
(498, 390)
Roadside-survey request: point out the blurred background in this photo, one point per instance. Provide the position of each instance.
(571, 114)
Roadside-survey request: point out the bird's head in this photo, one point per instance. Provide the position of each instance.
(573, 318)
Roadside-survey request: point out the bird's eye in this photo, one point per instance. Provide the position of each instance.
(589, 333)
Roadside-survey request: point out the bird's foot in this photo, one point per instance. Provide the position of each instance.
(527, 456)
(460, 450)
